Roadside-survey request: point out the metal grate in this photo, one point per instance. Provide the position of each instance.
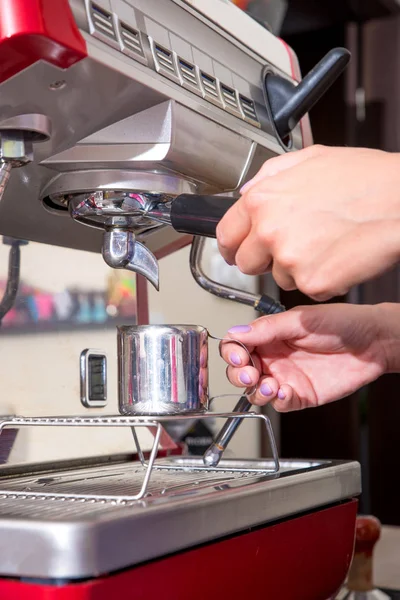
(210, 88)
(103, 21)
(131, 41)
(230, 98)
(65, 493)
(249, 110)
(164, 59)
(147, 469)
(189, 75)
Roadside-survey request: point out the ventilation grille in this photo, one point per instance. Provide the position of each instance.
(106, 26)
(164, 59)
(230, 98)
(210, 86)
(103, 21)
(248, 108)
(188, 72)
(131, 39)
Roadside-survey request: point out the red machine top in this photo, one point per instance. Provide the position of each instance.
(37, 30)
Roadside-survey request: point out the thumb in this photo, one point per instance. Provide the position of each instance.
(280, 163)
(268, 329)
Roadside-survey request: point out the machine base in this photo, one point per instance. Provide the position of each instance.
(302, 558)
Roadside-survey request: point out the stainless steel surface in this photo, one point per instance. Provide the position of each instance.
(170, 89)
(14, 265)
(93, 378)
(79, 539)
(15, 147)
(121, 213)
(213, 455)
(130, 207)
(162, 369)
(213, 287)
(142, 209)
(113, 189)
(156, 141)
(122, 251)
(5, 172)
(17, 136)
(35, 126)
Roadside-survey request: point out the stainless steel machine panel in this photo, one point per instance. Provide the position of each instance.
(164, 89)
(54, 537)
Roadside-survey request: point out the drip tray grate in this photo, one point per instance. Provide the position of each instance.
(115, 488)
(112, 485)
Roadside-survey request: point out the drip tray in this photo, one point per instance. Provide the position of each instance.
(62, 524)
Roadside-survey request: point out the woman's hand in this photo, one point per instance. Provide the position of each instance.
(322, 219)
(313, 355)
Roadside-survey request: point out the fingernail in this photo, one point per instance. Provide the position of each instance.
(240, 329)
(265, 389)
(281, 395)
(235, 358)
(228, 263)
(245, 378)
(201, 379)
(202, 360)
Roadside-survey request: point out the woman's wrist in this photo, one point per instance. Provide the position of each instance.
(388, 320)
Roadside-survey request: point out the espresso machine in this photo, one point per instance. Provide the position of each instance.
(127, 128)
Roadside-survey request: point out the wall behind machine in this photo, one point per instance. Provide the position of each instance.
(39, 367)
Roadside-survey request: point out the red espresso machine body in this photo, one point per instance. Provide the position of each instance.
(164, 93)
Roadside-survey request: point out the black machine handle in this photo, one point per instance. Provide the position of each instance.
(290, 102)
(199, 215)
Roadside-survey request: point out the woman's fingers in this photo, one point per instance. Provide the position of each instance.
(276, 165)
(287, 399)
(269, 329)
(232, 230)
(235, 354)
(254, 256)
(247, 377)
(267, 389)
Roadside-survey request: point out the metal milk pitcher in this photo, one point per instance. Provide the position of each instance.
(162, 369)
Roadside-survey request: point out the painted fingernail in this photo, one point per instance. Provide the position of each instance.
(201, 379)
(228, 263)
(240, 329)
(235, 358)
(281, 395)
(245, 378)
(202, 360)
(265, 389)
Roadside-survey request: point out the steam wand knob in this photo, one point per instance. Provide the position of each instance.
(290, 102)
